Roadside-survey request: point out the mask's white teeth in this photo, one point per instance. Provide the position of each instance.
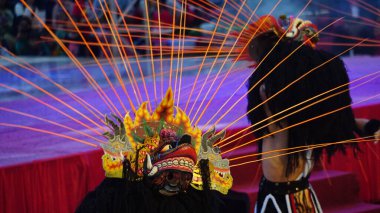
(148, 162)
(153, 171)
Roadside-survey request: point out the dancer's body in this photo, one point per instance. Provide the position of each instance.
(284, 186)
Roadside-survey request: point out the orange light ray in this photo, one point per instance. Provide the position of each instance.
(190, 68)
(49, 132)
(132, 80)
(204, 58)
(141, 47)
(246, 46)
(213, 13)
(123, 57)
(170, 7)
(228, 72)
(368, 9)
(51, 107)
(167, 6)
(181, 40)
(250, 11)
(243, 4)
(302, 122)
(347, 14)
(93, 55)
(370, 6)
(50, 95)
(303, 102)
(172, 45)
(221, 117)
(182, 54)
(49, 121)
(93, 32)
(299, 104)
(210, 87)
(347, 44)
(160, 43)
(350, 37)
(251, 37)
(126, 56)
(34, 70)
(186, 88)
(302, 150)
(89, 78)
(151, 57)
(133, 48)
(137, 30)
(179, 48)
(114, 65)
(293, 82)
(313, 146)
(206, 11)
(209, 102)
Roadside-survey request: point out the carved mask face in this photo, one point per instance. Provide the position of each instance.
(113, 165)
(170, 168)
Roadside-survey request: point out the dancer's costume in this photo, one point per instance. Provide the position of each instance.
(159, 163)
(292, 196)
(288, 49)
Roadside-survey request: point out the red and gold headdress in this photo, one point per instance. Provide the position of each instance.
(286, 27)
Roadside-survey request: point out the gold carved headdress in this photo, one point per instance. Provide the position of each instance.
(159, 144)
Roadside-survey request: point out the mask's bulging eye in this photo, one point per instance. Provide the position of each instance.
(166, 148)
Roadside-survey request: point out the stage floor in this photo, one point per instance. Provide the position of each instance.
(19, 146)
(44, 171)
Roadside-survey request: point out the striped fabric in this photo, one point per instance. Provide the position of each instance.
(301, 201)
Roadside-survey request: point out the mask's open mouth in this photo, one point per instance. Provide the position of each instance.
(172, 171)
(171, 182)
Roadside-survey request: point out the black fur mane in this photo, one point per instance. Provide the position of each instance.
(335, 127)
